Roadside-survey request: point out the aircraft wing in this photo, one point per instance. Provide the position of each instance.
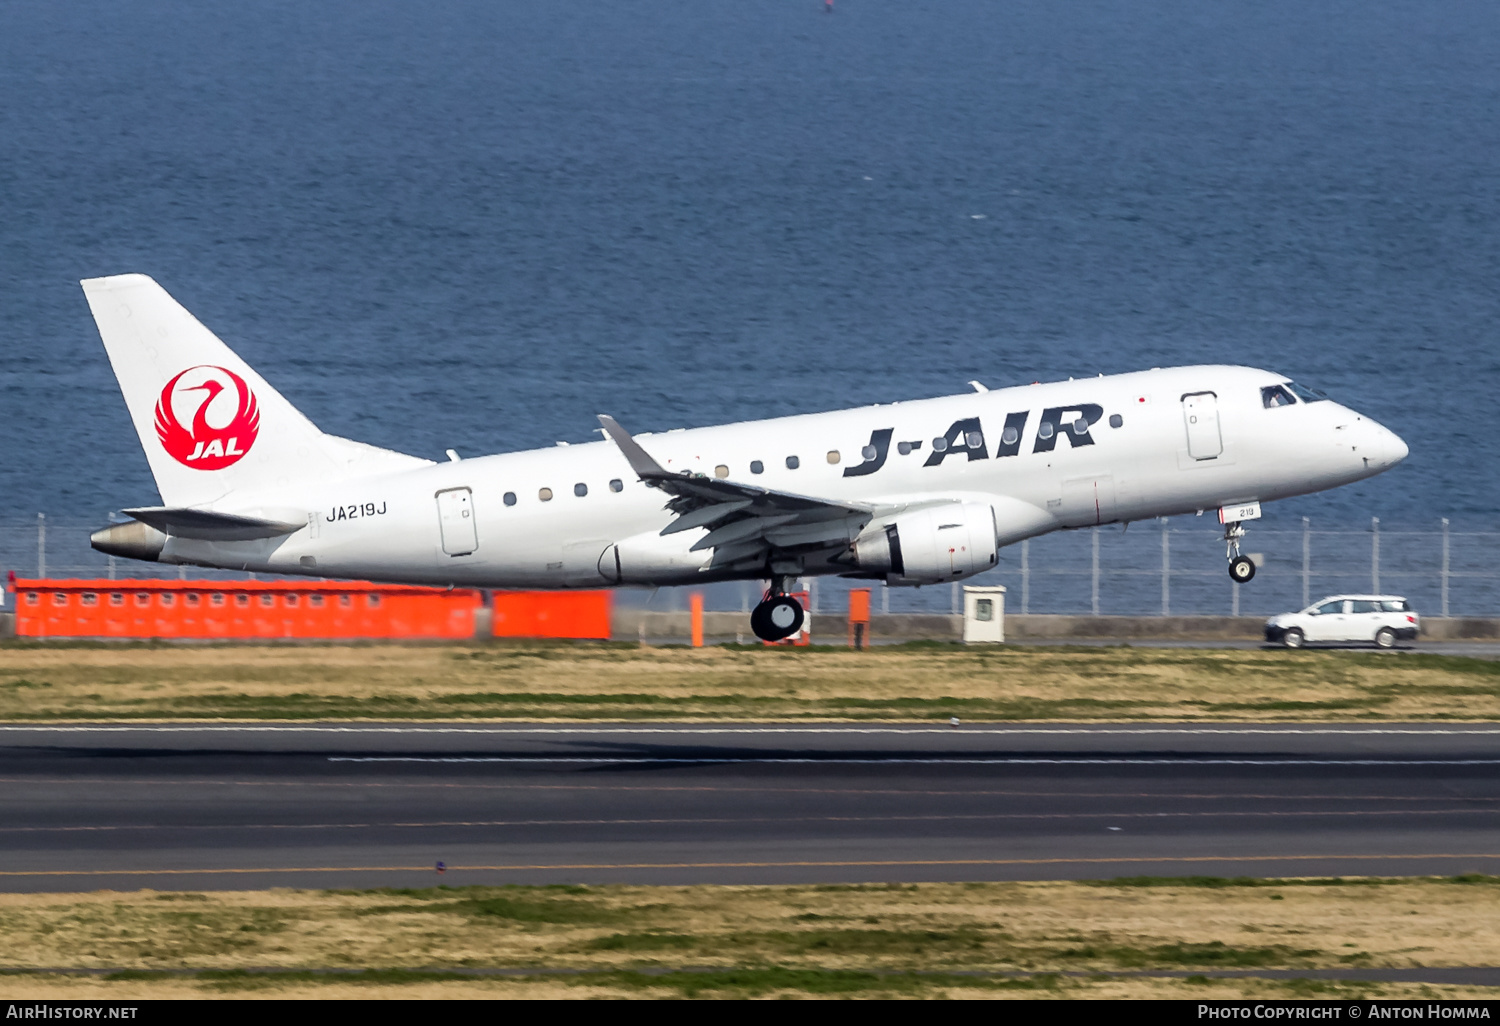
(745, 522)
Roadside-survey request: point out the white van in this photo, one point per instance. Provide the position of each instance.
(1382, 619)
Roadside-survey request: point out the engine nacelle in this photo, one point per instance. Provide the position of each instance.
(942, 543)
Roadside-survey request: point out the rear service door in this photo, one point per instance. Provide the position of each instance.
(1200, 414)
(456, 518)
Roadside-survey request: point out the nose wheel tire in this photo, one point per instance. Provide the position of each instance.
(1241, 569)
(1293, 638)
(777, 618)
(1385, 638)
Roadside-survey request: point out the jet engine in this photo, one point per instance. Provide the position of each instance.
(929, 546)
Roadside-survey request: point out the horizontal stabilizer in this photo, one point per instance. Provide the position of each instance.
(210, 526)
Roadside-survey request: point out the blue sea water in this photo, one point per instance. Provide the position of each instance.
(476, 224)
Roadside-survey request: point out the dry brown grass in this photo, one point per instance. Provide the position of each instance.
(559, 681)
(813, 940)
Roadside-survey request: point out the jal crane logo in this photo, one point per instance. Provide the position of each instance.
(220, 410)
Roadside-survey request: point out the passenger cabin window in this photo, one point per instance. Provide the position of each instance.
(616, 485)
(580, 489)
(1046, 430)
(545, 494)
(1115, 420)
(1080, 426)
(1307, 395)
(721, 471)
(833, 456)
(757, 467)
(1329, 608)
(1273, 396)
(792, 463)
(940, 445)
(509, 498)
(904, 448)
(1010, 436)
(975, 439)
(869, 452)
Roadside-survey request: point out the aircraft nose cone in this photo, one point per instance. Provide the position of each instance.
(1386, 449)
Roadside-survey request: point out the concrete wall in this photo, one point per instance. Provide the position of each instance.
(832, 628)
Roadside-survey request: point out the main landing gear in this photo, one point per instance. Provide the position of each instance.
(1241, 568)
(778, 616)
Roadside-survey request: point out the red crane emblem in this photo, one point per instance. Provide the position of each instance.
(222, 431)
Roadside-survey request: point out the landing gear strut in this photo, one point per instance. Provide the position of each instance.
(1241, 568)
(778, 616)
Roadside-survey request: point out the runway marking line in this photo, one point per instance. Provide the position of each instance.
(899, 760)
(867, 863)
(926, 792)
(691, 820)
(691, 730)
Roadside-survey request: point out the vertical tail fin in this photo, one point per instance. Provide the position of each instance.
(209, 424)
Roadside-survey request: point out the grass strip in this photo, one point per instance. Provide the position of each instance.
(601, 681)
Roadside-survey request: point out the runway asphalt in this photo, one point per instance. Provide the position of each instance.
(234, 806)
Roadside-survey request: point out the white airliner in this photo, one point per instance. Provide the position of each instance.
(909, 493)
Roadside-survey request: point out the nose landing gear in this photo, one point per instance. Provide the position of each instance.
(778, 616)
(1241, 568)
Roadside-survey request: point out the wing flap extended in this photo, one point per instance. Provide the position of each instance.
(745, 521)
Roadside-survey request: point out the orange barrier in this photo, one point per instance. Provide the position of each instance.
(695, 606)
(859, 616)
(240, 609)
(551, 614)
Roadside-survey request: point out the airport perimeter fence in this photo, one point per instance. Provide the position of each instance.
(1161, 567)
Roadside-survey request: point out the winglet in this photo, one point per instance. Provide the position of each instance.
(640, 460)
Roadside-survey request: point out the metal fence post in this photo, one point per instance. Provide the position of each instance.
(1094, 573)
(1234, 599)
(1444, 579)
(1306, 562)
(885, 597)
(41, 545)
(1166, 568)
(812, 594)
(1026, 576)
(953, 598)
(1375, 555)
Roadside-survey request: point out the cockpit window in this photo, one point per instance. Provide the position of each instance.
(1307, 395)
(1274, 395)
